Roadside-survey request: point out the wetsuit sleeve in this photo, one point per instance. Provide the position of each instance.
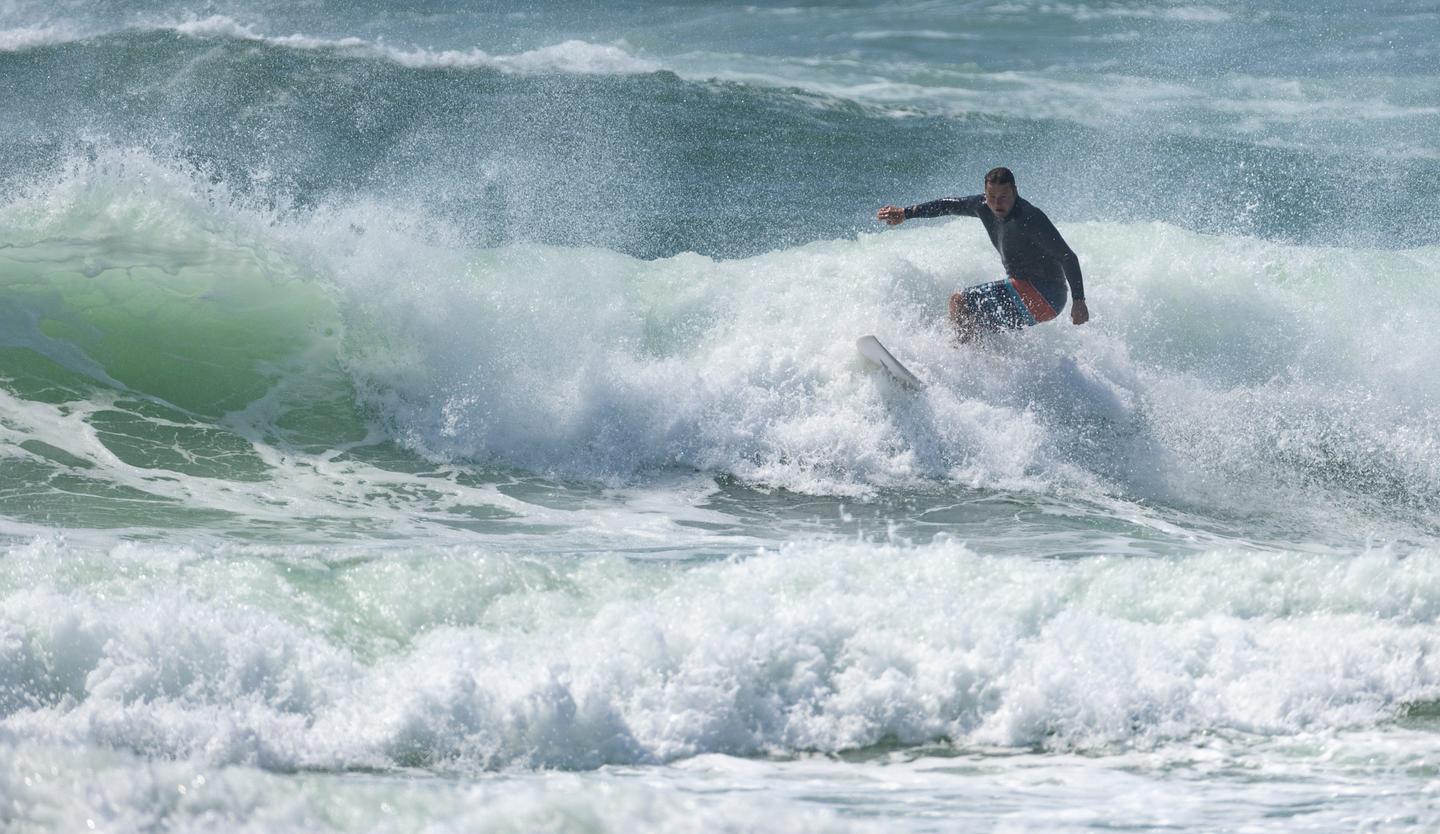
(945, 205)
(1050, 240)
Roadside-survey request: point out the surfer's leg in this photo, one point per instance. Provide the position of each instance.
(962, 319)
(982, 308)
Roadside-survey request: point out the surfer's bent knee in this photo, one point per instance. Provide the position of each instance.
(961, 318)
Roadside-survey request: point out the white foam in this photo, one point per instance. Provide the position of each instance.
(915, 34)
(50, 788)
(271, 658)
(1170, 13)
(1198, 365)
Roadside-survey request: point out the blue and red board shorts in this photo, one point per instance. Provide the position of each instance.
(1010, 303)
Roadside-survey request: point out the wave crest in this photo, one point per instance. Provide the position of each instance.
(570, 56)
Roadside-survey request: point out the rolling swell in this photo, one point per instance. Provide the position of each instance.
(589, 144)
(187, 334)
(546, 155)
(152, 332)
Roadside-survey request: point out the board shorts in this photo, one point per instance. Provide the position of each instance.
(1007, 304)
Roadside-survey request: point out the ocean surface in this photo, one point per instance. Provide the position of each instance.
(445, 417)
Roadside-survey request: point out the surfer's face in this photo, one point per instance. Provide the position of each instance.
(1000, 198)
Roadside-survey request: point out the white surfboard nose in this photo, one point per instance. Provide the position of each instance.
(871, 349)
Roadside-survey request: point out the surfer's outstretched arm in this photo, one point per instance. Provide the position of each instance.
(895, 215)
(966, 206)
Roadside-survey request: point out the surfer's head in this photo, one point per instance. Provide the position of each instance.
(1000, 191)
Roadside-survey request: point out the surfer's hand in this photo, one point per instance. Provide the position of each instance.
(1079, 313)
(894, 215)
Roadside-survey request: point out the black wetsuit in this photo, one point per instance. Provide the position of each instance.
(1029, 245)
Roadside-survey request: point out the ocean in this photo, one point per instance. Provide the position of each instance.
(446, 417)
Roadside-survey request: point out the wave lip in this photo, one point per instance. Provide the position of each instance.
(570, 56)
(573, 56)
(29, 37)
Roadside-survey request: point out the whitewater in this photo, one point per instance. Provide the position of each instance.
(449, 419)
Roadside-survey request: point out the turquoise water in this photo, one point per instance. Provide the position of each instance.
(448, 418)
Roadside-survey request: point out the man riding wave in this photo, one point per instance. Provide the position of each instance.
(1037, 260)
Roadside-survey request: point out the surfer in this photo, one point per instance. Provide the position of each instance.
(1036, 258)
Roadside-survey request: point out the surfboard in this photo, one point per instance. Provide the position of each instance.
(871, 349)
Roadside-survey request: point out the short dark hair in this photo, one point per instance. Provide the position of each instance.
(999, 176)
